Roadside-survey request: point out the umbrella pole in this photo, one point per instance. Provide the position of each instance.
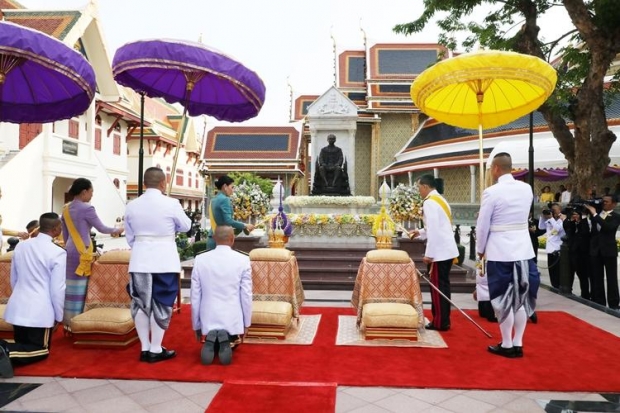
(141, 150)
(180, 133)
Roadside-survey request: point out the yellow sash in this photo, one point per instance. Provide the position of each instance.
(212, 219)
(86, 253)
(442, 204)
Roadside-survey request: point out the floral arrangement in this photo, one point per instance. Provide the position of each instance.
(355, 201)
(249, 200)
(316, 219)
(405, 203)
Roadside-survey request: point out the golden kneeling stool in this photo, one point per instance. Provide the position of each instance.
(106, 320)
(6, 329)
(274, 272)
(390, 290)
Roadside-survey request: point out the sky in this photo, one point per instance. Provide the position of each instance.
(283, 41)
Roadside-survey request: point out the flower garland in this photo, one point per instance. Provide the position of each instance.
(316, 219)
(249, 200)
(356, 201)
(405, 203)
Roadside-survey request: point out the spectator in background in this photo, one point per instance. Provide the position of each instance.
(32, 228)
(578, 237)
(604, 253)
(552, 222)
(546, 194)
(566, 195)
(558, 195)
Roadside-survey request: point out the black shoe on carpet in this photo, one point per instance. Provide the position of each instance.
(431, 326)
(225, 352)
(518, 351)
(208, 349)
(6, 368)
(144, 356)
(164, 355)
(534, 318)
(498, 350)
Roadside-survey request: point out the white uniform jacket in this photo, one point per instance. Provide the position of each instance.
(437, 231)
(151, 223)
(221, 293)
(38, 272)
(501, 231)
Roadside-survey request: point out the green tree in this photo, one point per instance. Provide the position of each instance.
(587, 51)
(251, 178)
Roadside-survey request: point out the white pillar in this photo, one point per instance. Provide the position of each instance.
(436, 173)
(472, 183)
(410, 176)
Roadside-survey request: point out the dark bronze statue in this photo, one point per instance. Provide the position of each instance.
(330, 177)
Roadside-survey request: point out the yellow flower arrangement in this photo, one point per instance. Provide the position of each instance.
(249, 200)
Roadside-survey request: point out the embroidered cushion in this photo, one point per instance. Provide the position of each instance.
(389, 315)
(278, 313)
(387, 256)
(103, 320)
(115, 257)
(270, 254)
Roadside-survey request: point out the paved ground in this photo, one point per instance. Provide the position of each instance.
(79, 395)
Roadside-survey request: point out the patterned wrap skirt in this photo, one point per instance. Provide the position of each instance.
(154, 294)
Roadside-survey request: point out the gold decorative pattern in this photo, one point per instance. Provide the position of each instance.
(278, 281)
(363, 161)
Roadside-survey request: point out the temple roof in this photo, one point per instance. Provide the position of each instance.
(438, 145)
(54, 23)
(252, 148)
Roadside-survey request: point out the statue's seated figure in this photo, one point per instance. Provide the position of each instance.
(330, 176)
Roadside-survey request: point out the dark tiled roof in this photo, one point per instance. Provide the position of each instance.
(54, 23)
(252, 143)
(443, 157)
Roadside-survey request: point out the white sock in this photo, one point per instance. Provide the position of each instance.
(520, 323)
(506, 329)
(143, 327)
(157, 336)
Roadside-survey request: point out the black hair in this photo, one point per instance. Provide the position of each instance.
(224, 180)
(48, 221)
(79, 185)
(429, 180)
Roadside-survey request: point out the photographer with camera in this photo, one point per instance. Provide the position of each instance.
(604, 252)
(578, 238)
(552, 221)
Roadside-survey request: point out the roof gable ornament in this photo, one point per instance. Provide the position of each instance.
(333, 102)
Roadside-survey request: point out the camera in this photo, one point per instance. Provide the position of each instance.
(580, 206)
(547, 211)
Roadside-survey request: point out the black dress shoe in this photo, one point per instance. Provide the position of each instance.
(518, 351)
(208, 349)
(6, 367)
(498, 350)
(164, 355)
(144, 356)
(225, 352)
(534, 318)
(431, 326)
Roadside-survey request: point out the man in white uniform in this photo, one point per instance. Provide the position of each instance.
(440, 250)
(151, 223)
(503, 239)
(221, 296)
(37, 301)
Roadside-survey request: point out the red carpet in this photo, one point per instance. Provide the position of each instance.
(562, 353)
(260, 397)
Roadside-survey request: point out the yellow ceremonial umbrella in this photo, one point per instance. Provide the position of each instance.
(483, 89)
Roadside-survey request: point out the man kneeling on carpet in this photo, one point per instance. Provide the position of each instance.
(37, 302)
(221, 297)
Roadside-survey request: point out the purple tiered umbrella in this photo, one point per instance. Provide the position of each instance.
(203, 80)
(41, 79)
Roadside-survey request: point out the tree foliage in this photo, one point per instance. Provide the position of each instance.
(251, 178)
(586, 51)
